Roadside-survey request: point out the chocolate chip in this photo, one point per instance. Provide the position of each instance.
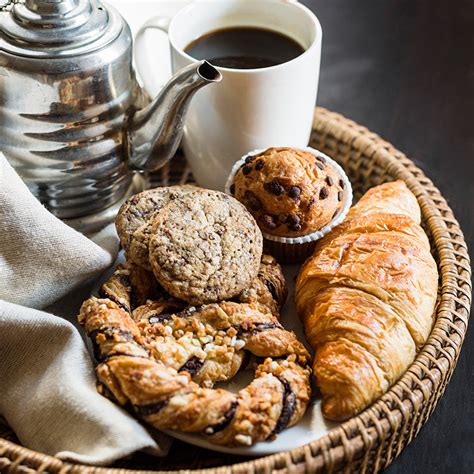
(274, 187)
(294, 222)
(329, 181)
(341, 183)
(293, 219)
(246, 170)
(320, 166)
(249, 159)
(335, 214)
(259, 165)
(253, 202)
(268, 221)
(324, 193)
(321, 159)
(339, 196)
(294, 192)
(232, 189)
(310, 203)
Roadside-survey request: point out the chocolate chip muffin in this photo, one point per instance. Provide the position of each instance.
(134, 217)
(290, 192)
(205, 247)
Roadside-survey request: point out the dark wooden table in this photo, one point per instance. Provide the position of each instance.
(404, 69)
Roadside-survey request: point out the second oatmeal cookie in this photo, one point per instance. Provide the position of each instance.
(134, 218)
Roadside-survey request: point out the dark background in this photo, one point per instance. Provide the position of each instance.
(405, 70)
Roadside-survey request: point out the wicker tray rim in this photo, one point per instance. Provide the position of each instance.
(371, 440)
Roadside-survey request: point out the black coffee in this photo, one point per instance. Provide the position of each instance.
(244, 48)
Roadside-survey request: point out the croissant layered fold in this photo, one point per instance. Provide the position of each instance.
(366, 298)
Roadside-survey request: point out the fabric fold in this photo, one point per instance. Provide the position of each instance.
(41, 258)
(47, 381)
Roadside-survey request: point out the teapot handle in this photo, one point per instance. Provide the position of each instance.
(151, 82)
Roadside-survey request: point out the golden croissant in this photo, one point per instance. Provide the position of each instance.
(366, 297)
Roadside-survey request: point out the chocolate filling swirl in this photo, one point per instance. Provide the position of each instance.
(259, 327)
(287, 409)
(109, 334)
(103, 293)
(192, 366)
(264, 326)
(228, 416)
(151, 409)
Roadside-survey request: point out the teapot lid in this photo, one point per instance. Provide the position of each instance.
(57, 28)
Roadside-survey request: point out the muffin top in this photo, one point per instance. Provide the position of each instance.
(290, 192)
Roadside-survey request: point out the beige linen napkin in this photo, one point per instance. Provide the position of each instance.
(47, 380)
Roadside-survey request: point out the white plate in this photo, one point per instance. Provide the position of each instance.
(312, 426)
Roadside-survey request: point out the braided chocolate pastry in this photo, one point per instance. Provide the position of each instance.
(268, 289)
(161, 360)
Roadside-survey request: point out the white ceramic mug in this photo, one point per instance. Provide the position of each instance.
(250, 108)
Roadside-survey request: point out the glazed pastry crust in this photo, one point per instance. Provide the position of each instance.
(269, 288)
(145, 364)
(388, 198)
(366, 298)
(162, 357)
(290, 192)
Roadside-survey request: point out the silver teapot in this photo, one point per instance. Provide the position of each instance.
(74, 122)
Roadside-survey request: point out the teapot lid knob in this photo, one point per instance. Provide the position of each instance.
(53, 28)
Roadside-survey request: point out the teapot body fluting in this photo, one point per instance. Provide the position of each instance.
(68, 96)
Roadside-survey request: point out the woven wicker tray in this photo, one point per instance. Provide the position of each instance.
(370, 441)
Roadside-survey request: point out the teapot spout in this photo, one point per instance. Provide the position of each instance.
(154, 133)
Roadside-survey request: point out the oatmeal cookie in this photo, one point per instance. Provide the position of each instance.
(205, 247)
(133, 219)
(290, 192)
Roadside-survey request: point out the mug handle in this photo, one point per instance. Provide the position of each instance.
(151, 84)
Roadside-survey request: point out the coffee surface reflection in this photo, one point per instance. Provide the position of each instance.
(245, 48)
